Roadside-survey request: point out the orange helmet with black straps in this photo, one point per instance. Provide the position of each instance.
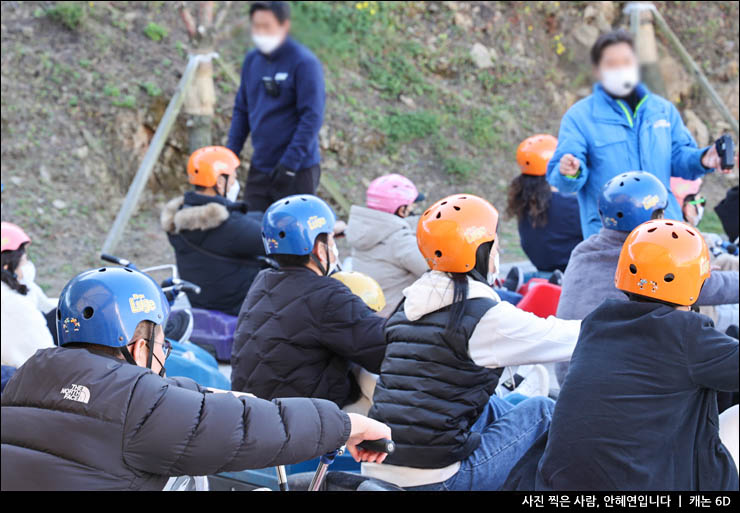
(534, 153)
(451, 230)
(207, 164)
(664, 260)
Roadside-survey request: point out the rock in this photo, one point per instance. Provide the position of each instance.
(463, 21)
(27, 31)
(586, 34)
(432, 7)
(697, 127)
(17, 180)
(409, 102)
(600, 14)
(44, 173)
(81, 152)
(324, 137)
(677, 80)
(40, 210)
(59, 204)
(330, 165)
(480, 56)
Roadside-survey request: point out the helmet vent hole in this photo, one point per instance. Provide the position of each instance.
(669, 224)
(620, 215)
(463, 197)
(651, 230)
(443, 203)
(426, 213)
(101, 270)
(624, 175)
(438, 253)
(668, 277)
(456, 207)
(527, 162)
(127, 269)
(59, 314)
(633, 268)
(637, 179)
(287, 202)
(691, 233)
(621, 184)
(87, 312)
(674, 235)
(439, 214)
(304, 199)
(281, 235)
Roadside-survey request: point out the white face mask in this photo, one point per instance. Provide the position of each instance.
(335, 264)
(233, 191)
(29, 273)
(491, 277)
(266, 44)
(695, 220)
(620, 81)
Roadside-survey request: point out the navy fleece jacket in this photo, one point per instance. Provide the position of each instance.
(285, 128)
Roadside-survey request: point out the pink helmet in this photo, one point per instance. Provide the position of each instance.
(682, 188)
(12, 237)
(389, 192)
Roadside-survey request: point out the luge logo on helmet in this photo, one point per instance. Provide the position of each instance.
(139, 303)
(474, 233)
(316, 222)
(73, 321)
(78, 393)
(649, 202)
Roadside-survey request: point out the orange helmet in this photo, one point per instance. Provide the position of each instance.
(451, 230)
(664, 260)
(208, 163)
(534, 153)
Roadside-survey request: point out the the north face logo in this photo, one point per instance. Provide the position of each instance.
(78, 393)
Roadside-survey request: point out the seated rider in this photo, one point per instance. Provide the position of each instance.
(97, 413)
(548, 219)
(23, 304)
(216, 242)
(383, 244)
(638, 410)
(626, 201)
(299, 332)
(448, 344)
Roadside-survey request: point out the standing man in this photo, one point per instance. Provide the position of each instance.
(281, 102)
(622, 127)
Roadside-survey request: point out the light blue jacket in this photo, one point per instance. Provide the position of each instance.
(608, 140)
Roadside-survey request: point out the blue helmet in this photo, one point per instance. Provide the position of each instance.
(290, 225)
(629, 199)
(104, 306)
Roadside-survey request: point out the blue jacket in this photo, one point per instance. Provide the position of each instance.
(638, 409)
(285, 129)
(549, 246)
(608, 140)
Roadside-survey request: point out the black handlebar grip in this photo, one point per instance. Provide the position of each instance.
(382, 445)
(110, 258)
(189, 287)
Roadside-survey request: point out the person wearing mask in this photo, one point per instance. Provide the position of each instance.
(23, 325)
(383, 244)
(98, 413)
(299, 332)
(639, 408)
(217, 243)
(447, 347)
(622, 126)
(280, 101)
(546, 218)
(687, 195)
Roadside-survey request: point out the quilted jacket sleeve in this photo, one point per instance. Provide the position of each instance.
(351, 329)
(170, 430)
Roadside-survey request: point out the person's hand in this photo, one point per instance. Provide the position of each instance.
(569, 165)
(282, 176)
(712, 160)
(364, 428)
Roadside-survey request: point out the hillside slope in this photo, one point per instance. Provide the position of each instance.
(84, 85)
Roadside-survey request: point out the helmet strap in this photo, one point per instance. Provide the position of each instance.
(478, 276)
(324, 270)
(127, 355)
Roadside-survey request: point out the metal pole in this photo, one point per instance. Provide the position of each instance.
(152, 153)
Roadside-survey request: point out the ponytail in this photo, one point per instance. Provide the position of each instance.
(11, 259)
(460, 285)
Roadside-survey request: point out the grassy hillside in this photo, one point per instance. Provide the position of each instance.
(84, 85)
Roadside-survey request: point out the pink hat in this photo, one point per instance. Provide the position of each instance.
(682, 188)
(389, 192)
(12, 237)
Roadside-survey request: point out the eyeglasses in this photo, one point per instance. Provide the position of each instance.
(699, 201)
(166, 347)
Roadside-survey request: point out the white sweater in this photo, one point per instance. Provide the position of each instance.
(22, 324)
(505, 336)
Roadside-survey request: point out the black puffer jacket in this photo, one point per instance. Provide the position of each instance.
(297, 334)
(76, 420)
(218, 226)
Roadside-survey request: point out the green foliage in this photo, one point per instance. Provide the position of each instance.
(481, 127)
(73, 101)
(85, 63)
(128, 101)
(459, 168)
(151, 89)
(111, 90)
(710, 222)
(401, 127)
(69, 14)
(180, 47)
(155, 32)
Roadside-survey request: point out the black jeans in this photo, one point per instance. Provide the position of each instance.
(260, 192)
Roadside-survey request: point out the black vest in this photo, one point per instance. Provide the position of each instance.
(430, 392)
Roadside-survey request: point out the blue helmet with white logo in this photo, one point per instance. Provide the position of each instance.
(104, 306)
(290, 225)
(629, 199)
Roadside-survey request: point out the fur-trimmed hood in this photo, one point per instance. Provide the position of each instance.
(175, 219)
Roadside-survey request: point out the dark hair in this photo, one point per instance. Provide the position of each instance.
(657, 213)
(143, 330)
(460, 285)
(529, 195)
(298, 260)
(12, 259)
(281, 10)
(606, 40)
